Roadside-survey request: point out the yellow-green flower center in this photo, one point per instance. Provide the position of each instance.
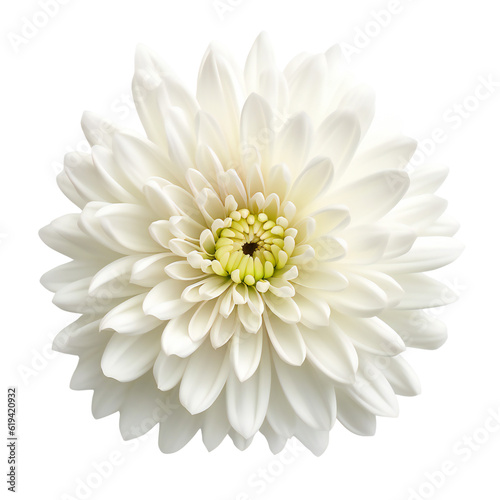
(251, 247)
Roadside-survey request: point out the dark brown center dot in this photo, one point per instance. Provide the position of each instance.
(249, 248)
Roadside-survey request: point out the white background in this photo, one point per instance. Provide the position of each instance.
(427, 58)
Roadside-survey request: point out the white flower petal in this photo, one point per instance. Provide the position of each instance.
(427, 179)
(335, 217)
(245, 353)
(293, 143)
(250, 320)
(324, 279)
(444, 226)
(361, 298)
(239, 441)
(156, 88)
(150, 270)
(373, 392)
(209, 133)
(371, 197)
(286, 340)
(108, 397)
(422, 291)
(178, 429)
(168, 370)
(310, 393)
(65, 236)
(366, 244)
(371, 334)
(331, 351)
(275, 441)
(256, 128)
(401, 376)
(129, 318)
(419, 329)
(113, 280)
(112, 176)
(140, 160)
(283, 307)
(338, 138)
(418, 212)
(260, 58)
(182, 270)
(427, 253)
(278, 180)
(360, 100)
(164, 300)
(223, 329)
(314, 439)
(66, 274)
(312, 182)
(353, 416)
(392, 154)
(203, 319)
(274, 89)
(81, 335)
(247, 401)
(142, 408)
(97, 130)
(314, 311)
(75, 298)
(311, 73)
(88, 373)
(328, 249)
(68, 189)
(128, 357)
(215, 425)
(127, 224)
(175, 339)
(85, 178)
(219, 92)
(280, 415)
(205, 376)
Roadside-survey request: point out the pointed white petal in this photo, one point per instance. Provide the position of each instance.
(129, 318)
(205, 376)
(245, 353)
(338, 138)
(428, 253)
(330, 350)
(421, 291)
(313, 181)
(310, 393)
(371, 334)
(247, 401)
(128, 357)
(353, 416)
(371, 197)
(215, 424)
(419, 329)
(168, 370)
(286, 340)
(164, 300)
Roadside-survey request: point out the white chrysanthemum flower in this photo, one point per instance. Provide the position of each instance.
(255, 263)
